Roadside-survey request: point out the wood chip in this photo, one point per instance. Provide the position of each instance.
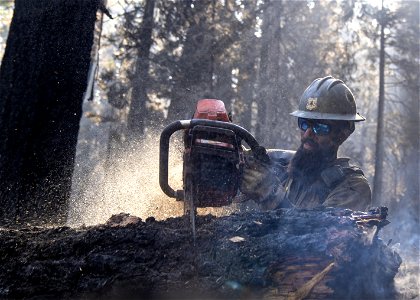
(237, 239)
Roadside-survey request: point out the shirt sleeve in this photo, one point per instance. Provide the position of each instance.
(353, 193)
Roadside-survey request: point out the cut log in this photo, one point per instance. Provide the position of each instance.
(283, 254)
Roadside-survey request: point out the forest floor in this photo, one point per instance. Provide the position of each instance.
(282, 254)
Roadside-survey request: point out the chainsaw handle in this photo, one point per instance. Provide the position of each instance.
(164, 157)
(258, 151)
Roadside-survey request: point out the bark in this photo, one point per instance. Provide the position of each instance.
(42, 80)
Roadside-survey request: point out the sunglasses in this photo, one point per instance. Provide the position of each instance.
(317, 128)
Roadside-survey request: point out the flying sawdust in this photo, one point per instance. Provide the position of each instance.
(131, 185)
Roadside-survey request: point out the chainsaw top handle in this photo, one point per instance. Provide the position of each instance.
(258, 151)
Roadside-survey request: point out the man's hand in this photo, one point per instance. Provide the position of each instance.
(259, 180)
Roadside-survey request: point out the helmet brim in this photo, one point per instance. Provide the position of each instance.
(327, 116)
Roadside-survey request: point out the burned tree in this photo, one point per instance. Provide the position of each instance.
(282, 254)
(42, 80)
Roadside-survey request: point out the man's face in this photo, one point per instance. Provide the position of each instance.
(318, 136)
(320, 141)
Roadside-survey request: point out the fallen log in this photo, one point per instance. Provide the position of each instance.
(283, 254)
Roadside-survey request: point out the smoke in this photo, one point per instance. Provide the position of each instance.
(403, 236)
(407, 281)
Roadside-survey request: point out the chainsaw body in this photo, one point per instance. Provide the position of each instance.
(212, 158)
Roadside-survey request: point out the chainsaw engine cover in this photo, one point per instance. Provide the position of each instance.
(211, 109)
(212, 165)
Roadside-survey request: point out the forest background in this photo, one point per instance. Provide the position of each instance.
(154, 59)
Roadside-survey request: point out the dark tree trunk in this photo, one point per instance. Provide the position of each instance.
(137, 114)
(379, 153)
(248, 58)
(42, 80)
(269, 72)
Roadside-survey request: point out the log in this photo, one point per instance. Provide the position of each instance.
(329, 253)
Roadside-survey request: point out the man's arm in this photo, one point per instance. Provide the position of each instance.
(262, 182)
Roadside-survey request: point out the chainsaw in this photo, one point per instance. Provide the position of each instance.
(213, 158)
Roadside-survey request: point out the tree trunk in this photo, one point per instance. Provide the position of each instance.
(139, 98)
(269, 72)
(42, 80)
(379, 153)
(247, 71)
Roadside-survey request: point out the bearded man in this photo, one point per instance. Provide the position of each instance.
(313, 176)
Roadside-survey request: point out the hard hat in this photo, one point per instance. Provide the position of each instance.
(328, 98)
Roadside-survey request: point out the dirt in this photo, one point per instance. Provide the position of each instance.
(282, 254)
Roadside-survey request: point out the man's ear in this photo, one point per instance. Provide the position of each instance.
(346, 129)
(342, 135)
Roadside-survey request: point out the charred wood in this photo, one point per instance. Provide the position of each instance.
(282, 254)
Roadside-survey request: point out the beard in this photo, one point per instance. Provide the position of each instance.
(310, 164)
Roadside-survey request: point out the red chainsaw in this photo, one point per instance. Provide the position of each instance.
(213, 157)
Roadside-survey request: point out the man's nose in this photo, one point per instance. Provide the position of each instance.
(308, 132)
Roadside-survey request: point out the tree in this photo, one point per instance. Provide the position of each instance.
(379, 153)
(193, 75)
(269, 68)
(246, 66)
(42, 80)
(139, 98)
(402, 143)
(299, 42)
(393, 31)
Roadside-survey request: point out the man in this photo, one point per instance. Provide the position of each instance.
(313, 175)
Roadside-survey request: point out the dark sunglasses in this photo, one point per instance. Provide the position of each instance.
(317, 128)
